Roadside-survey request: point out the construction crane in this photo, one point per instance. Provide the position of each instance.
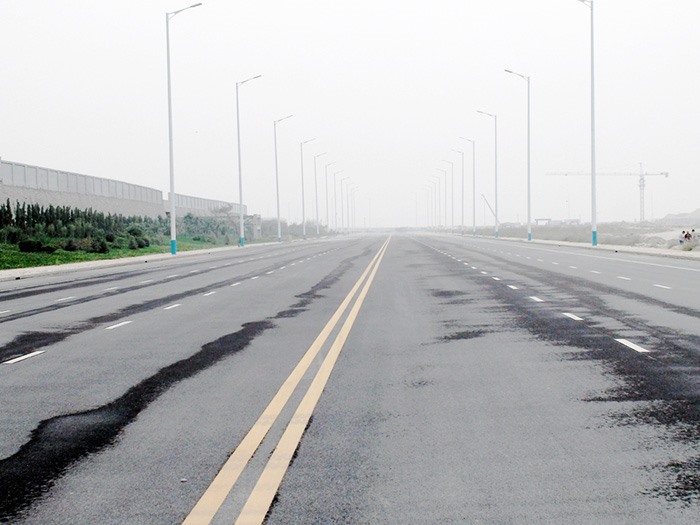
(642, 181)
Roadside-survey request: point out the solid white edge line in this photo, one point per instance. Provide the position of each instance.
(118, 325)
(633, 346)
(572, 316)
(23, 357)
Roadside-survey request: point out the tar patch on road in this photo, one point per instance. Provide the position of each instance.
(467, 334)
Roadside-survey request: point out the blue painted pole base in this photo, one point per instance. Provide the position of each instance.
(594, 237)
(529, 236)
(241, 241)
(173, 246)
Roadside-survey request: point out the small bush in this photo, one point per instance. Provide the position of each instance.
(99, 246)
(135, 231)
(140, 243)
(70, 246)
(110, 237)
(30, 246)
(13, 235)
(133, 244)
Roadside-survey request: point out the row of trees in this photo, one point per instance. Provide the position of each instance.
(40, 228)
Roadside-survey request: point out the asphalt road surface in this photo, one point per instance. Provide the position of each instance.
(390, 380)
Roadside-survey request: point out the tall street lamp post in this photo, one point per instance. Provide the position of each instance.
(594, 226)
(438, 221)
(171, 156)
(277, 180)
(318, 231)
(303, 198)
(335, 198)
(241, 240)
(444, 174)
(495, 167)
(462, 157)
(342, 203)
(328, 224)
(529, 220)
(473, 183)
(452, 193)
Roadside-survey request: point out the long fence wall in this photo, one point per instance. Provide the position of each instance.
(45, 186)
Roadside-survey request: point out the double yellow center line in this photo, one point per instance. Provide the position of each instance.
(259, 501)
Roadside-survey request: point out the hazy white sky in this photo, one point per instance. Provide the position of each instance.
(385, 86)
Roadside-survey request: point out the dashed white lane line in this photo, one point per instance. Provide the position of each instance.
(657, 285)
(466, 264)
(572, 316)
(292, 264)
(123, 323)
(282, 267)
(270, 272)
(633, 346)
(496, 278)
(213, 267)
(256, 277)
(65, 299)
(146, 281)
(236, 284)
(595, 271)
(474, 268)
(536, 299)
(574, 267)
(111, 288)
(624, 278)
(4, 312)
(23, 357)
(173, 275)
(512, 287)
(483, 272)
(540, 260)
(172, 306)
(194, 271)
(209, 293)
(555, 263)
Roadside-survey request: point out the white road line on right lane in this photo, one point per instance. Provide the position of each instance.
(23, 357)
(123, 323)
(65, 299)
(536, 299)
(512, 287)
(624, 278)
(633, 346)
(657, 285)
(5, 312)
(236, 284)
(146, 281)
(172, 306)
(595, 271)
(572, 316)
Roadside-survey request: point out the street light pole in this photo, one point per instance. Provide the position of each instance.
(277, 180)
(452, 192)
(473, 183)
(495, 166)
(462, 156)
(328, 224)
(318, 231)
(438, 223)
(241, 240)
(594, 220)
(342, 203)
(171, 156)
(529, 220)
(335, 198)
(444, 174)
(303, 204)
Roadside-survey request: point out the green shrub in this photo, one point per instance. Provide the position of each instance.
(30, 246)
(70, 246)
(133, 244)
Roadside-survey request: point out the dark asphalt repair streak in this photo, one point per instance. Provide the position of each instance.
(59, 442)
(666, 381)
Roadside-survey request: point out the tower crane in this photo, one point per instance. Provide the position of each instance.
(642, 181)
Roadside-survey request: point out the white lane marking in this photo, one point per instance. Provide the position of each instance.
(528, 258)
(172, 306)
(624, 278)
(483, 272)
(194, 271)
(209, 293)
(23, 357)
(657, 285)
(459, 260)
(213, 267)
(270, 272)
(572, 316)
(536, 299)
(65, 299)
(474, 268)
(466, 264)
(496, 279)
(236, 284)
(146, 281)
(574, 267)
(118, 325)
(292, 264)
(595, 271)
(555, 263)
(111, 288)
(173, 275)
(633, 346)
(256, 277)
(282, 267)
(512, 287)
(5, 312)
(540, 260)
